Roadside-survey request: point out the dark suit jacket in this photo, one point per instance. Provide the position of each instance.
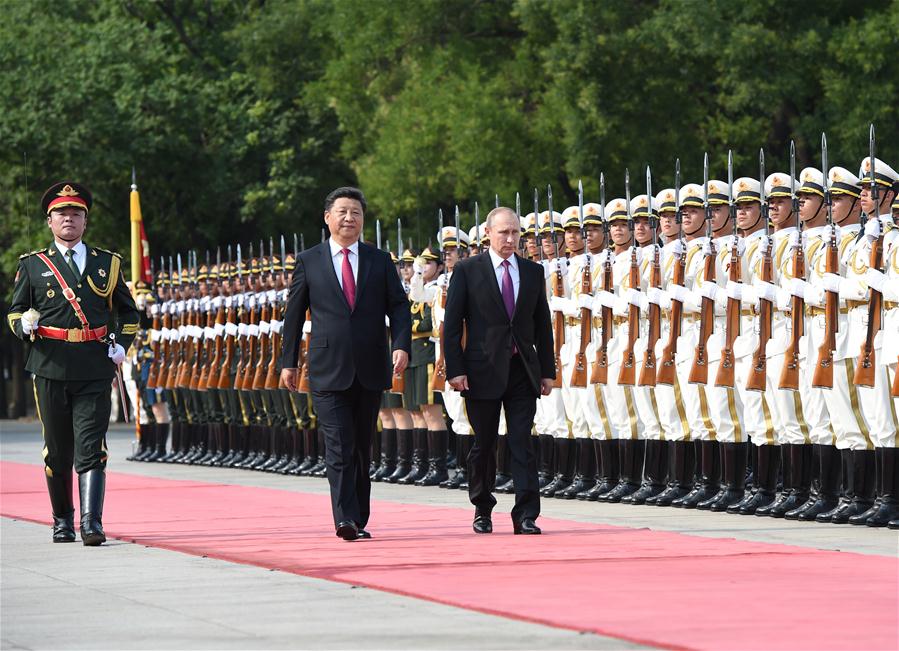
(345, 344)
(474, 299)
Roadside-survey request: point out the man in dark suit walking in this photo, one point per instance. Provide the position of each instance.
(499, 299)
(349, 287)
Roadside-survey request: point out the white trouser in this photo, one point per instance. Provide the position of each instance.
(693, 395)
(572, 397)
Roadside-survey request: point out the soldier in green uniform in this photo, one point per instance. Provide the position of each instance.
(71, 304)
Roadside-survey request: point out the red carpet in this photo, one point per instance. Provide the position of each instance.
(657, 588)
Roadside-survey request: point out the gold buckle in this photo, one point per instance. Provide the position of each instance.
(74, 335)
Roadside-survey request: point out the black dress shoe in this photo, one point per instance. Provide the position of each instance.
(482, 524)
(347, 530)
(363, 535)
(527, 526)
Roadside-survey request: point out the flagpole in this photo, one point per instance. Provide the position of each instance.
(136, 255)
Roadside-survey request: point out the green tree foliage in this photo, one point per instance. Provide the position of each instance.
(240, 115)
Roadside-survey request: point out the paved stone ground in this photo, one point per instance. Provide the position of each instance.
(141, 597)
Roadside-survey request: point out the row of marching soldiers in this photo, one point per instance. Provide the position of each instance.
(721, 346)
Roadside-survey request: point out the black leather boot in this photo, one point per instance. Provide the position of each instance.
(242, 445)
(59, 486)
(162, 439)
(653, 474)
(814, 485)
(683, 464)
(231, 440)
(437, 442)
(460, 479)
(295, 453)
(889, 492)
(829, 478)
(610, 470)
(765, 474)
(321, 466)
(706, 504)
(455, 440)
(268, 447)
(785, 484)
(591, 493)
(175, 429)
(846, 489)
(547, 460)
(91, 489)
(736, 456)
(708, 485)
(630, 459)
(146, 444)
(871, 487)
(374, 453)
(800, 471)
(861, 492)
(388, 455)
(419, 457)
(278, 445)
(564, 454)
(309, 452)
(584, 478)
(503, 481)
(403, 456)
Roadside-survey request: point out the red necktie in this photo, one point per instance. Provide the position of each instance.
(349, 283)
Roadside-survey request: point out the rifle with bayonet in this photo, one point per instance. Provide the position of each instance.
(599, 374)
(398, 383)
(579, 373)
(558, 290)
(266, 316)
(822, 378)
(648, 372)
(667, 369)
(229, 327)
(272, 376)
(725, 375)
(208, 347)
(758, 373)
(158, 317)
(438, 379)
(789, 376)
(199, 325)
(864, 369)
(173, 352)
(627, 373)
(699, 372)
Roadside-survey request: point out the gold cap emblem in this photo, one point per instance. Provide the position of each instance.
(67, 191)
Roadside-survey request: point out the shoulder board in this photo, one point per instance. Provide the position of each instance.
(107, 251)
(25, 255)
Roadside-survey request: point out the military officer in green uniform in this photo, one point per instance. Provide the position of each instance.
(72, 308)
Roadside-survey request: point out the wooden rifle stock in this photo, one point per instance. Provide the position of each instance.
(162, 372)
(699, 372)
(214, 374)
(558, 329)
(272, 377)
(628, 372)
(789, 376)
(864, 369)
(304, 361)
(438, 380)
(154, 347)
(259, 372)
(667, 373)
(182, 381)
(600, 372)
(649, 372)
(758, 373)
(175, 354)
(725, 375)
(822, 378)
(224, 377)
(894, 391)
(579, 373)
(208, 348)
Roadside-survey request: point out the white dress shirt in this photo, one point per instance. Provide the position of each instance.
(499, 270)
(80, 255)
(337, 259)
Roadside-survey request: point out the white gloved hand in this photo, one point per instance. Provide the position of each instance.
(794, 239)
(873, 228)
(603, 299)
(547, 272)
(767, 291)
(875, 279)
(734, 290)
(154, 310)
(231, 329)
(116, 353)
(307, 327)
(679, 293)
(750, 295)
(709, 290)
(443, 281)
(707, 248)
(571, 308)
(798, 287)
(677, 247)
(585, 301)
(654, 296)
(632, 296)
(741, 245)
(557, 303)
(784, 300)
(831, 282)
(418, 267)
(558, 265)
(29, 321)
